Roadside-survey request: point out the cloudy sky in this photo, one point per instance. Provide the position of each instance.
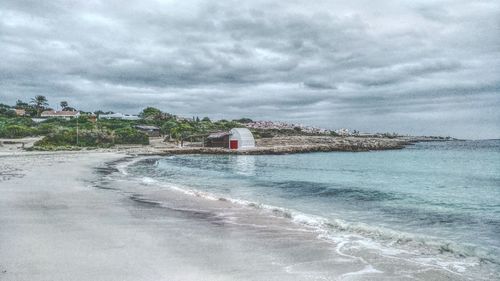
(418, 67)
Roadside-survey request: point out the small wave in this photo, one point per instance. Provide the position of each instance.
(366, 270)
(205, 195)
(329, 227)
(123, 165)
(121, 169)
(148, 180)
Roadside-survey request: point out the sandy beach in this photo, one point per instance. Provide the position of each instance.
(63, 217)
(57, 226)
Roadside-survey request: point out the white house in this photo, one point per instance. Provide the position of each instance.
(241, 138)
(60, 114)
(119, 116)
(343, 132)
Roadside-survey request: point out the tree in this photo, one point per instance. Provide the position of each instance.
(39, 102)
(167, 127)
(21, 104)
(69, 108)
(205, 119)
(244, 120)
(7, 110)
(99, 112)
(181, 131)
(151, 113)
(64, 105)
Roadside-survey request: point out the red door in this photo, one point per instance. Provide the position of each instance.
(233, 144)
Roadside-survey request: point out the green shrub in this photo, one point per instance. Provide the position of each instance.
(24, 121)
(16, 131)
(7, 113)
(114, 124)
(130, 136)
(101, 138)
(59, 138)
(92, 138)
(46, 128)
(89, 138)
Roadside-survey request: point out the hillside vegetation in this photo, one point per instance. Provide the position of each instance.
(88, 130)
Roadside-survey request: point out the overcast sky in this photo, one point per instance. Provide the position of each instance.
(418, 67)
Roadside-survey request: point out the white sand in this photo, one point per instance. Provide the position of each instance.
(53, 226)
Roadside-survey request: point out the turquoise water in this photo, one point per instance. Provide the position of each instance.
(442, 194)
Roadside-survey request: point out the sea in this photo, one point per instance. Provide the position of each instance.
(430, 211)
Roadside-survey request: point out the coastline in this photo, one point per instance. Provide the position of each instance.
(265, 146)
(289, 145)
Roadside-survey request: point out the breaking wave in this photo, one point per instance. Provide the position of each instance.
(330, 228)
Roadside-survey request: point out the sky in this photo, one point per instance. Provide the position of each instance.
(413, 67)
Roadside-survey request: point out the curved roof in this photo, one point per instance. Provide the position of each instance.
(244, 136)
(242, 131)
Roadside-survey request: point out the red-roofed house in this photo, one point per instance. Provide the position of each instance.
(20, 112)
(60, 114)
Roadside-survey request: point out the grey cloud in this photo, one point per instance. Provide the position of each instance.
(331, 64)
(398, 73)
(319, 85)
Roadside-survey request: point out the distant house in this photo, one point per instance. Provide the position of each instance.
(343, 132)
(20, 112)
(237, 138)
(218, 139)
(119, 116)
(268, 125)
(151, 131)
(60, 114)
(92, 118)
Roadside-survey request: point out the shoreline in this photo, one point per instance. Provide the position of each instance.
(79, 218)
(271, 146)
(301, 144)
(304, 146)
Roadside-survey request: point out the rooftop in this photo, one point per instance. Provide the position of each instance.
(218, 135)
(59, 113)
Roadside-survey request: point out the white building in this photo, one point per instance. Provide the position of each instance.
(119, 116)
(343, 132)
(60, 114)
(241, 138)
(267, 125)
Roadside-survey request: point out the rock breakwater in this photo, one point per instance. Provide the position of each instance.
(301, 144)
